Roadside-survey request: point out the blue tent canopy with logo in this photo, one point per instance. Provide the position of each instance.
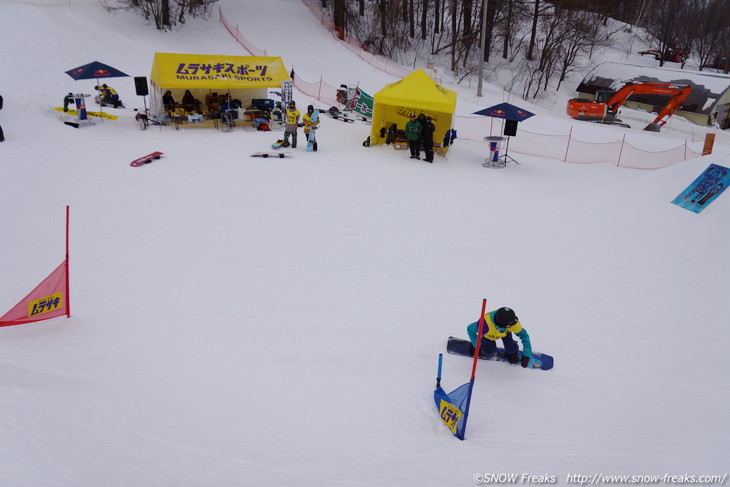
(95, 70)
(506, 111)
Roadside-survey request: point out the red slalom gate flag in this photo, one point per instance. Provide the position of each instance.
(48, 300)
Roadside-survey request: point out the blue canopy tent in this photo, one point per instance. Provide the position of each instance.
(95, 70)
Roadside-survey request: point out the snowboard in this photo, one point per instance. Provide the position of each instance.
(269, 154)
(73, 112)
(458, 346)
(341, 117)
(146, 159)
(278, 144)
(312, 139)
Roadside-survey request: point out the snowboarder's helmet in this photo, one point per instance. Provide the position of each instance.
(505, 317)
(310, 108)
(412, 115)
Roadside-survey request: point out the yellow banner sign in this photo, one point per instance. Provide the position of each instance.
(450, 415)
(45, 304)
(216, 71)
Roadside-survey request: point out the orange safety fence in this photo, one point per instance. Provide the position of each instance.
(321, 90)
(568, 148)
(240, 38)
(354, 45)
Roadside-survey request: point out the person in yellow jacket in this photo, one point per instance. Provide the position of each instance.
(500, 324)
(291, 122)
(311, 122)
(109, 96)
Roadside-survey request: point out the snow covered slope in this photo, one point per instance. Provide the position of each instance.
(240, 321)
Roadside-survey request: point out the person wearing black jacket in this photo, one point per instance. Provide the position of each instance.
(427, 134)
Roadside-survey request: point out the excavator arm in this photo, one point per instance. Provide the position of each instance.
(672, 106)
(605, 112)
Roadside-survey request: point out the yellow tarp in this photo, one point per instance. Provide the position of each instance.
(416, 93)
(216, 72)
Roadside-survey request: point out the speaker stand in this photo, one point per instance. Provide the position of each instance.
(506, 157)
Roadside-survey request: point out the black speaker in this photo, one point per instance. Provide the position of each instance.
(140, 83)
(510, 128)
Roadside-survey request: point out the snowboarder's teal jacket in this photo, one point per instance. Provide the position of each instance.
(493, 332)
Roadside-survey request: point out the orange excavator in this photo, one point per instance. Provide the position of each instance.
(606, 105)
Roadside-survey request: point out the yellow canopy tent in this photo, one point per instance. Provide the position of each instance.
(416, 93)
(243, 77)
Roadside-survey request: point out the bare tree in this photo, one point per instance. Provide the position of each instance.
(664, 23)
(168, 13)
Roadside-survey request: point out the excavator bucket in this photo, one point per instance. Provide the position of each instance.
(653, 127)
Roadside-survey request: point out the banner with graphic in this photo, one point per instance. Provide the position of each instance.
(453, 408)
(703, 190)
(356, 100)
(48, 300)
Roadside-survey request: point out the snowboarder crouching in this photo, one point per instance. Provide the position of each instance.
(108, 96)
(500, 324)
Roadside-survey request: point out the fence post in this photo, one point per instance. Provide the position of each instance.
(685, 149)
(319, 92)
(621, 151)
(570, 136)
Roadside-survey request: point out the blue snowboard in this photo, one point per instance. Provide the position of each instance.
(458, 346)
(312, 140)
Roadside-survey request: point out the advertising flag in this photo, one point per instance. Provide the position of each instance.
(452, 408)
(356, 100)
(48, 300)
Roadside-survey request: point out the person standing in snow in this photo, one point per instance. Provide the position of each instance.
(309, 125)
(413, 134)
(427, 133)
(500, 324)
(291, 123)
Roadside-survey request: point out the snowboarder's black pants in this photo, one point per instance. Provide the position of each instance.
(413, 145)
(428, 149)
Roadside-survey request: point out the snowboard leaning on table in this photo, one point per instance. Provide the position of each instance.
(146, 159)
(458, 346)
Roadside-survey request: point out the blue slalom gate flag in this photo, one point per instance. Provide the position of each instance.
(453, 408)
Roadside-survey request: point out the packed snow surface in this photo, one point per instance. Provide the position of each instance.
(241, 321)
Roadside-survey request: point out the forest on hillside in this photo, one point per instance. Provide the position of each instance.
(543, 41)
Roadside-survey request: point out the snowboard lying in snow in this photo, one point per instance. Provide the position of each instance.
(75, 113)
(270, 154)
(458, 346)
(146, 159)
